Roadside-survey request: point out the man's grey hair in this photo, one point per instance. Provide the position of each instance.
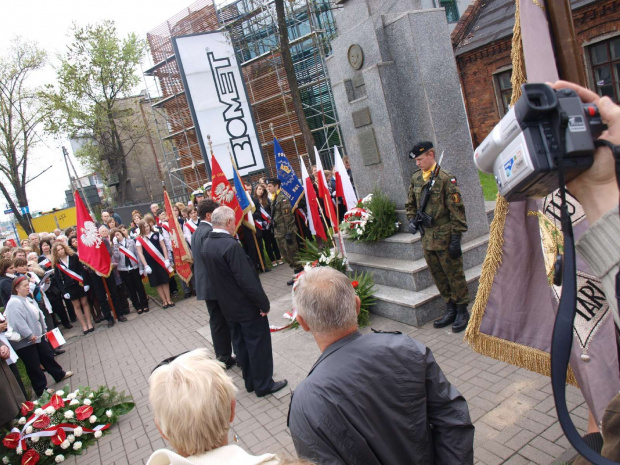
(325, 299)
(221, 216)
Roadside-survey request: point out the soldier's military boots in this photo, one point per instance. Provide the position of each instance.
(448, 317)
(462, 318)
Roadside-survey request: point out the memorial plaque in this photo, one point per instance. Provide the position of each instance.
(355, 56)
(368, 146)
(361, 117)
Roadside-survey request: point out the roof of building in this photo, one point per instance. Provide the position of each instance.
(486, 21)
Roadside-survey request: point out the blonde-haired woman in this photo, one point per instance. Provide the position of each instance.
(193, 401)
(70, 276)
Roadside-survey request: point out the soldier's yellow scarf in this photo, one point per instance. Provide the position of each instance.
(427, 174)
(272, 197)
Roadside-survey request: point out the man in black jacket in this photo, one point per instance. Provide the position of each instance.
(220, 332)
(243, 302)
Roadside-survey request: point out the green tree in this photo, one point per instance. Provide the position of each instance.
(21, 113)
(96, 72)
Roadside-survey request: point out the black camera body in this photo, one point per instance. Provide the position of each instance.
(524, 149)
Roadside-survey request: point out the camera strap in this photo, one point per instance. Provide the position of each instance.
(562, 339)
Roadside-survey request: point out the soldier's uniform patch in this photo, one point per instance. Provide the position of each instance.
(453, 180)
(456, 197)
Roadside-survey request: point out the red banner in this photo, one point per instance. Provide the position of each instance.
(92, 251)
(223, 193)
(180, 251)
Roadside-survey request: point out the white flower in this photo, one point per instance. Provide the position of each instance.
(92, 394)
(77, 446)
(93, 418)
(98, 434)
(29, 430)
(35, 439)
(69, 414)
(108, 413)
(5, 460)
(65, 444)
(78, 431)
(19, 450)
(35, 402)
(22, 421)
(71, 396)
(74, 402)
(60, 458)
(71, 438)
(60, 393)
(49, 452)
(87, 402)
(50, 410)
(38, 411)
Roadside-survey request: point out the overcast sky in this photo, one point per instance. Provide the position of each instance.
(48, 23)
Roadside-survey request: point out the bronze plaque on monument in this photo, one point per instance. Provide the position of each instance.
(355, 56)
(368, 146)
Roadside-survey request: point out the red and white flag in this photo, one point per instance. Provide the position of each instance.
(223, 193)
(328, 203)
(314, 218)
(55, 338)
(180, 250)
(92, 251)
(344, 188)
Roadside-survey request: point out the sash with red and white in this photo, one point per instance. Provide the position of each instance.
(191, 226)
(127, 253)
(45, 263)
(153, 251)
(266, 220)
(165, 226)
(71, 274)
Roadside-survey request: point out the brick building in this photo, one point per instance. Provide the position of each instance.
(482, 45)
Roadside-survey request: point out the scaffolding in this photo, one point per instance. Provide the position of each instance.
(252, 26)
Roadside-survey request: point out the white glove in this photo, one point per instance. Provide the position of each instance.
(167, 263)
(67, 296)
(147, 269)
(86, 288)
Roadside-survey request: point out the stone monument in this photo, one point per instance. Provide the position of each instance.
(395, 82)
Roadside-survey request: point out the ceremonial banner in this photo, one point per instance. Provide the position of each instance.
(92, 251)
(514, 312)
(291, 185)
(344, 188)
(314, 217)
(180, 250)
(218, 100)
(324, 194)
(222, 193)
(244, 199)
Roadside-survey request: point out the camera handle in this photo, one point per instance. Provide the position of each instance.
(562, 339)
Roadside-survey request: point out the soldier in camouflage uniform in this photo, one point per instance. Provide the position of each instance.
(283, 220)
(442, 239)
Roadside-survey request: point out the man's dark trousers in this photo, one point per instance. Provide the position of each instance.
(252, 342)
(220, 332)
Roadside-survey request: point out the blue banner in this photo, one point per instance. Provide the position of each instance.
(291, 185)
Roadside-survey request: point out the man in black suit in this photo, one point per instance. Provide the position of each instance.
(243, 302)
(220, 332)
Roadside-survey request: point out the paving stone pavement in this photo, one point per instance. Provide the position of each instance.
(512, 408)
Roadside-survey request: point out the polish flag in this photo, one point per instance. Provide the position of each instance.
(91, 248)
(344, 188)
(314, 218)
(55, 338)
(330, 209)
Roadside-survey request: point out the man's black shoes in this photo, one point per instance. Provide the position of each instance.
(232, 361)
(448, 317)
(122, 318)
(462, 318)
(291, 282)
(277, 386)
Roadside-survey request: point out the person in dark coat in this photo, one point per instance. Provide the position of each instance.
(243, 302)
(375, 398)
(155, 260)
(220, 332)
(7, 274)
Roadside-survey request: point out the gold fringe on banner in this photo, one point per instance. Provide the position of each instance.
(516, 354)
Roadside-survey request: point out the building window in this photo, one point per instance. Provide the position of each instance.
(452, 10)
(605, 62)
(503, 90)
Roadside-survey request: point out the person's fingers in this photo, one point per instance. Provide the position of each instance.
(610, 113)
(585, 94)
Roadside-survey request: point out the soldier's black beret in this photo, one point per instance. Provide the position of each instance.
(275, 181)
(420, 148)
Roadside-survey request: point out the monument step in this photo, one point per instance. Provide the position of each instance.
(412, 274)
(417, 307)
(402, 245)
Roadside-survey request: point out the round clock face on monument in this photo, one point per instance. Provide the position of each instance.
(356, 56)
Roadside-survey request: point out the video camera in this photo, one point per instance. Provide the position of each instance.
(523, 151)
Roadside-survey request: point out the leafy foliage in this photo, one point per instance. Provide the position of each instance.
(373, 219)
